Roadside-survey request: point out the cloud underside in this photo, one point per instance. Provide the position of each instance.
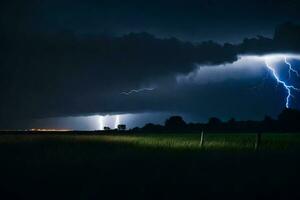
(62, 75)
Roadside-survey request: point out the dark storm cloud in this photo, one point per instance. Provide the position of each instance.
(286, 39)
(47, 71)
(62, 74)
(195, 20)
(44, 74)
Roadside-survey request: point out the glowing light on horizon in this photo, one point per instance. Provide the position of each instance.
(111, 121)
(46, 130)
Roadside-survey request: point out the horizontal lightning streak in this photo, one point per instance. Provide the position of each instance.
(137, 91)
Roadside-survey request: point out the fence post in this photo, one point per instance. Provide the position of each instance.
(202, 139)
(258, 141)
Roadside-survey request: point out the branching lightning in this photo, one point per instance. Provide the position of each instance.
(288, 88)
(137, 91)
(291, 69)
(268, 60)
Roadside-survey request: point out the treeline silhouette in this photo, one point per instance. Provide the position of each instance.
(287, 121)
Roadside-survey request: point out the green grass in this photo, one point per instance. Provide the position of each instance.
(54, 148)
(238, 142)
(221, 142)
(84, 165)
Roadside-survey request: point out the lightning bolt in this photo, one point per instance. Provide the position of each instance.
(291, 69)
(288, 88)
(117, 121)
(101, 122)
(137, 91)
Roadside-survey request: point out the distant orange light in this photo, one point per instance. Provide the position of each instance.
(49, 130)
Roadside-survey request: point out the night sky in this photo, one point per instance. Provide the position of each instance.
(201, 58)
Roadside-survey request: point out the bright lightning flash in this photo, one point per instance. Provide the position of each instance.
(117, 121)
(101, 122)
(288, 88)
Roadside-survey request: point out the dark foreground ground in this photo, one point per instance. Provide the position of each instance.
(149, 167)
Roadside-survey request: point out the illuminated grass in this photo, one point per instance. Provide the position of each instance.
(212, 141)
(165, 141)
(28, 162)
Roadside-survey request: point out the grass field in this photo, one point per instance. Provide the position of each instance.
(89, 166)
